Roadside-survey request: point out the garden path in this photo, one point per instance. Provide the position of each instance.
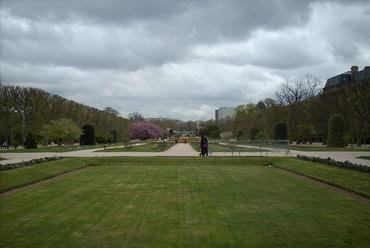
(184, 150)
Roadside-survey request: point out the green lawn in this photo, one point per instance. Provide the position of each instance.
(52, 149)
(13, 178)
(216, 147)
(365, 157)
(150, 147)
(351, 179)
(182, 202)
(328, 149)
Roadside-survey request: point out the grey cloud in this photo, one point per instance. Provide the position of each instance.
(109, 11)
(145, 33)
(177, 58)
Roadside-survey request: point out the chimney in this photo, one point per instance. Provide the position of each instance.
(354, 71)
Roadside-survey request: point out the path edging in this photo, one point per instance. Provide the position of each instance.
(325, 182)
(8, 190)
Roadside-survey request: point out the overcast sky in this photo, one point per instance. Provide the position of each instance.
(178, 59)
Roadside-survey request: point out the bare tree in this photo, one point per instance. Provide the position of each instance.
(298, 90)
(21, 104)
(26, 103)
(135, 116)
(111, 111)
(6, 113)
(313, 85)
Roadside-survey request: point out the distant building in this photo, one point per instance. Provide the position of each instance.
(217, 115)
(348, 77)
(224, 112)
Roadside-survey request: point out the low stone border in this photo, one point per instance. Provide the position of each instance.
(329, 161)
(28, 163)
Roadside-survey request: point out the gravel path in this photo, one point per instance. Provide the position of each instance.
(187, 151)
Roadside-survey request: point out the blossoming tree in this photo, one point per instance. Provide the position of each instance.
(145, 130)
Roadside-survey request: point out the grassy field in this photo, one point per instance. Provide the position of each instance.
(52, 149)
(182, 202)
(365, 157)
(216, 147)
(328, 149)
(13, 178)
(150, 147)
(355, 180)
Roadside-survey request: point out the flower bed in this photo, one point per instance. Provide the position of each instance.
(28, 163)
(329, 161)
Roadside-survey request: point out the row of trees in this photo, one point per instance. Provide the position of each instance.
(27, 112)
(305, 111)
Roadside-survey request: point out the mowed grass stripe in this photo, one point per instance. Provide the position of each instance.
(182, 205)
(76, 207)
(358, 181)
(283, 210)
(209, 179)
(122, 197)
(14, 178)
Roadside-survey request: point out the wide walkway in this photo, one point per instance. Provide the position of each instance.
(187, 151)
(180, 150)
(176, 150)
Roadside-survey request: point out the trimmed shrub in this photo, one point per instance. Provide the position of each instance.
(30, 142)
(213, 131)
(254, 133)
(240, 134)
(101, 139)
(88, 135)
(261, 106)
(336, 131)
(260, 136)
(349, 139)
(281, 131)
(62, 131)
(114, 134)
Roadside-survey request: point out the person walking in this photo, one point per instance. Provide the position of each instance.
(203, 145)
(206, 146)
(5, 145)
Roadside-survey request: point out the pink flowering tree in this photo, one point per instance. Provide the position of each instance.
(145, 130)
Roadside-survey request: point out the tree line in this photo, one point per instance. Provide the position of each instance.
(31, 113)
(305, 111)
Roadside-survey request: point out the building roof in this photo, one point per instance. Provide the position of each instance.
(347, 78)
(338, 79)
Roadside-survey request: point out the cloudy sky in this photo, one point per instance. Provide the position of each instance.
(179, 59)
